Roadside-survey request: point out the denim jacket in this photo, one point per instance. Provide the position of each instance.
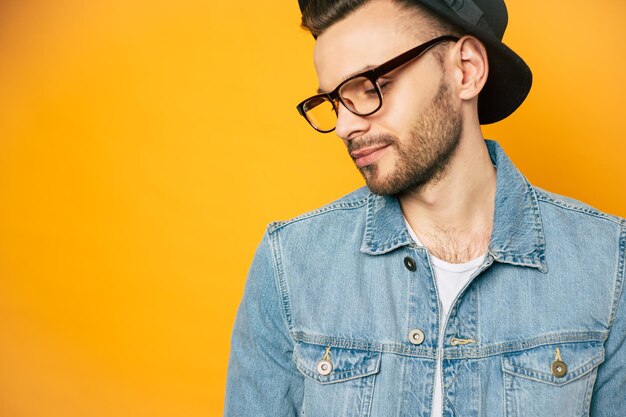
(340, 315)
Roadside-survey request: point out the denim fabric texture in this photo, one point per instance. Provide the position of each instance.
(335, 283)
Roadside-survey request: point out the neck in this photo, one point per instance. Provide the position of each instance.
(453, 215)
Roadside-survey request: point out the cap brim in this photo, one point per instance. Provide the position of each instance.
(508, 84)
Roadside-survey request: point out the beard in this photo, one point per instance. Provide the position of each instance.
(431, 143)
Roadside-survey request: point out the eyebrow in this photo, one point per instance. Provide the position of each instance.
(365, 68)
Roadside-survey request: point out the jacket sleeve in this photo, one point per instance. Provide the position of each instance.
(609, 395)
(262, 378)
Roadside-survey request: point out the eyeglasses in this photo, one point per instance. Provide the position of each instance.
(361, 94)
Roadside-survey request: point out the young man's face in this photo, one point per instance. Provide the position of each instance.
(410, 139)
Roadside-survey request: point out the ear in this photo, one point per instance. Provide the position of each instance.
(471, 67)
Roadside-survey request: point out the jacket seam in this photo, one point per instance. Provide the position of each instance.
(460, 353)
(346, 205)
(538, 226)
(542, 196)
(619, 278)
(280, 283)
(520, 346)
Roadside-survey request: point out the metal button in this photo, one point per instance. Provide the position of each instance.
(416, 336)
(324, 367)
(410, 263)
(559, 369)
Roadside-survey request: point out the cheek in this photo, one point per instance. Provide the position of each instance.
(398, 112)
(404, 103)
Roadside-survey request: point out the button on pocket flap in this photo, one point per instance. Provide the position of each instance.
(556, 364)
(330, 364)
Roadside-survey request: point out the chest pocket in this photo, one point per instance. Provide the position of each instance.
(339, 382)
(550, 381)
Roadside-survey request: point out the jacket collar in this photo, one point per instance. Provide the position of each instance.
(517, 236)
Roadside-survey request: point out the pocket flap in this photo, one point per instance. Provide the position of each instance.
(346, 363)
(536, 363)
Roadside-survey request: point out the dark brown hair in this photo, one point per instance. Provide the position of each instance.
(319, 15)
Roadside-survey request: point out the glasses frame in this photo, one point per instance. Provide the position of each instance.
(373, 75)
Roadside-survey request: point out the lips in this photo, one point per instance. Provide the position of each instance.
(369, 155)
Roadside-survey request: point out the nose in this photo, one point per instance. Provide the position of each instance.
(350, 125)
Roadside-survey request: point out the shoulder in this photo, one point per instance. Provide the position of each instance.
(339, 210)
(566, 207)
(570, 226)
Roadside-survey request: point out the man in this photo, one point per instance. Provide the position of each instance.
(449, 286)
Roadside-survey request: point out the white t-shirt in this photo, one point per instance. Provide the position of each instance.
(450, 280)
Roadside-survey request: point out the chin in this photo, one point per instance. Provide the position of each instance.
(394, 182)
(380, 184)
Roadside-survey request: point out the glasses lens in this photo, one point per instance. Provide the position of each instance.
(320, 112)
(360, 95)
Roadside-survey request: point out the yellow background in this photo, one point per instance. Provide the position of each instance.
(145, 144)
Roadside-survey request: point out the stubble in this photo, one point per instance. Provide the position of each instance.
(429, 147)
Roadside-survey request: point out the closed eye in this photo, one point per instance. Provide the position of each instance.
(382, 85)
